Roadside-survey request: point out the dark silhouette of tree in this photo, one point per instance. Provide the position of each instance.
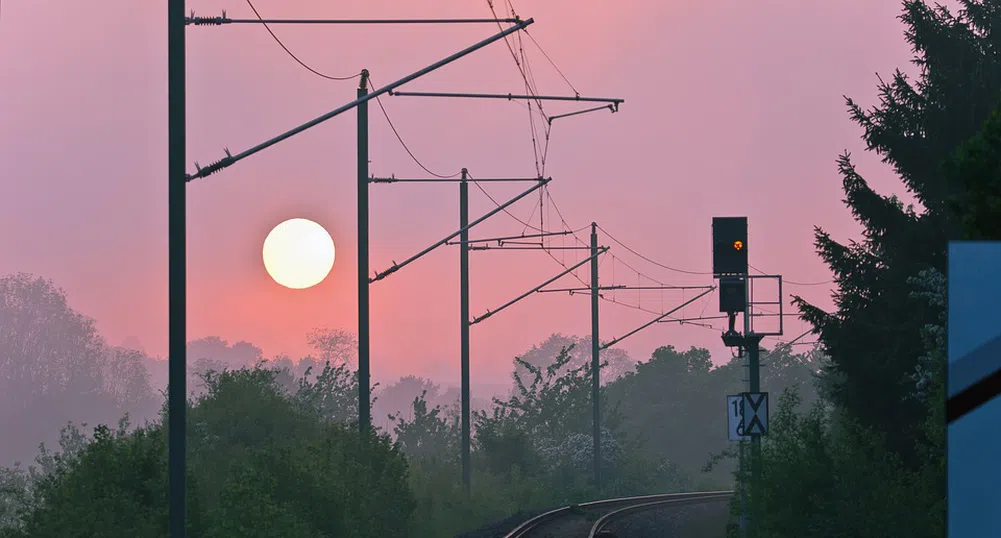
(874, 338)
(975, 168)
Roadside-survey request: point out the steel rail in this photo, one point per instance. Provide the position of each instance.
(523, 530)
(607, 519)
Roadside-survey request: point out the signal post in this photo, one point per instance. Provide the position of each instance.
(730, 267)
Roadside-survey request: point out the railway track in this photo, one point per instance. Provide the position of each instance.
(592, 519)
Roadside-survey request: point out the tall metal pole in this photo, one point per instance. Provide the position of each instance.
(595, 348)
(752, 347)
(745, 516)
(176, 271)
(364, 411)
(753, 359)
(464, 335)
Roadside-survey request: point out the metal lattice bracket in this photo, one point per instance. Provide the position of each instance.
(758, 307)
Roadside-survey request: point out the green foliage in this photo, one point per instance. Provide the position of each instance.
(261, 463)
(916, 126)
(428, 435)
(824, 474)
(975, 168)
(545, 426)
(673, 406)
(115, 486)
(331, 395)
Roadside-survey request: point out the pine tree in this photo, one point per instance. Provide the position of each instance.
(873, 338)
(976, 169)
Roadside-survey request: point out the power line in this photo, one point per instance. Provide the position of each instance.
(658, 264)
(404, 144)
(574, 232)
(529, 226)
(496, 203)
(565, 79)
(294, 57)
(793, 282)
(654, 312)
(615, 258)
(524, 68)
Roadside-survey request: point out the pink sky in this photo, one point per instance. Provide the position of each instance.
(732, 108)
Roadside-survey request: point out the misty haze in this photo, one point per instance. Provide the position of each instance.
(495, 269)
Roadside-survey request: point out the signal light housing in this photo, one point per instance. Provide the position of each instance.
(730, 245)
(732, 295)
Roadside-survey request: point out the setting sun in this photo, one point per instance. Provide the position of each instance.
(298, 253)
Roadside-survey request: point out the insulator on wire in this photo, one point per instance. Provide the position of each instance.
(207, 21)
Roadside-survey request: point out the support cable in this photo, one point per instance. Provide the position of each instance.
(551, 62)
(658, 264)
(559, 214)
(231, 159)
(290, 53)
(397, 266)
(523, 69)
(648, 311)
(655, 320)
(489, 313)
(794, 283)
(404, 144)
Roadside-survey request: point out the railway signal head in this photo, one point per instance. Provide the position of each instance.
(732, 294)
(729, 245)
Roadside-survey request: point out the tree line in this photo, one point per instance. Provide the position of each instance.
(273, 443)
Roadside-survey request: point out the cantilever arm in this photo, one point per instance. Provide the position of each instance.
(229, 160)
(613, 108)
(613, 102)
(658, 318)
(397, 266)
(538, 288)
(219, 21)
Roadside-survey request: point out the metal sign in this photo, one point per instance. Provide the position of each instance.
(755, 413)
(735, 418)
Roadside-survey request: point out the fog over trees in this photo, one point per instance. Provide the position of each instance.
(87, 401)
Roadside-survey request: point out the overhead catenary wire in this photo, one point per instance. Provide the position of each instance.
(385, 114)
(640, 275)
(551, 62)
(525, 70)
(793, 282)
(378, 100)
(654, 262)
(290, 53)
(574, 232)
(528, 78)
(531, 87)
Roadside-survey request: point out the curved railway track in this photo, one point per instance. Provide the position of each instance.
(592, 519)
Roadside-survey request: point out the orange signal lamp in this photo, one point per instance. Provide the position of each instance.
(738, 245)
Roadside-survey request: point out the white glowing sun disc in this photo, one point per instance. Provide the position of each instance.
(298, 254)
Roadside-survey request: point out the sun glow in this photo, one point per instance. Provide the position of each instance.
(298, 254)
